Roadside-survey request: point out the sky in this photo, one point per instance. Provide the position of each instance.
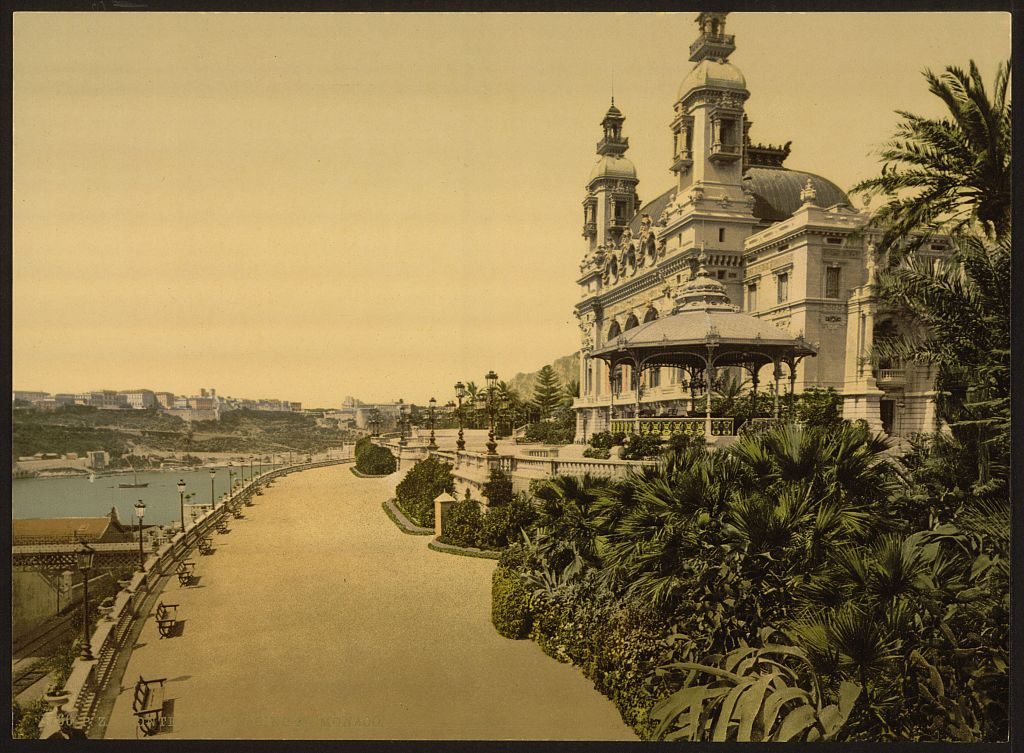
(310, 206)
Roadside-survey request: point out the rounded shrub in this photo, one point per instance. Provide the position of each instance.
(416, 492)
(510, 604)
(376, 461)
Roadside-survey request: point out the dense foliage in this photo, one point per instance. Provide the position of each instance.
(415, 494)
(560, 431)
(376, 461)
(890, 630)
(497, 527)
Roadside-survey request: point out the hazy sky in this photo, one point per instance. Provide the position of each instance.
(313, 206)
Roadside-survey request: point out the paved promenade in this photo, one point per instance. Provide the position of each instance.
(316, 618)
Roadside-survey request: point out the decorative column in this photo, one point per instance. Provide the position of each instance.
(777, 373)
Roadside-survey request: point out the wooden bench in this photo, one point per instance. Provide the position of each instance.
(185, 570)
(166, 618)
(205, 545)
(237, 511)
(148, 704)
(222, 525)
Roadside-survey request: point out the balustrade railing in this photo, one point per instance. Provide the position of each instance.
(88, 679)
(666, 427)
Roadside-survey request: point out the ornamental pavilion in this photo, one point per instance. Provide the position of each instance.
(704, 333)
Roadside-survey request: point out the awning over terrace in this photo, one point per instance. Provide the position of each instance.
(705, 332)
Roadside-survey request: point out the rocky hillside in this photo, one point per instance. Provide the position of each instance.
(567, 368)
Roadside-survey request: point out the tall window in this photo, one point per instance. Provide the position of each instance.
(752, 297)
(721, 235)
(832, 282)
(654, 377)
(783, 284)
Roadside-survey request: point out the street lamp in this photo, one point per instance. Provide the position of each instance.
(433, 405)
(231, 479)
(401, 423)
(181, 495)
(85, 555)
(460, 392)
(213, 499)
(140, 511)
(250, 469)
(492, 382)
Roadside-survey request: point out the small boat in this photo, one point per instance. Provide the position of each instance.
(135, 485)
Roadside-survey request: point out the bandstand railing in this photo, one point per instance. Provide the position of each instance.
(666, 427)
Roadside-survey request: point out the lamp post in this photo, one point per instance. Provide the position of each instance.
(433, 405)
(85, 555)
(250, 469)
(181, 495)
(140, 511)
(492, 382)
(231, 479)
(401, 423)
(460, 392)
(213, 499)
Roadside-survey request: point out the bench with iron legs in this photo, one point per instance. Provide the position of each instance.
(205, 544)
(166, 618)
(185, 570)
(148, 704)
(222, 525)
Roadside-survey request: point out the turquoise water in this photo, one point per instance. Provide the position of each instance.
(67, 497)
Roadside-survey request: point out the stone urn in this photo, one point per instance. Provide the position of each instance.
(55, 697)
(125, 585)
(618, 451)
(106, 608)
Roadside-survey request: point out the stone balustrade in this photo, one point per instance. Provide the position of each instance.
(88, 679)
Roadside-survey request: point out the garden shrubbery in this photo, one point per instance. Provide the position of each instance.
(550, 432)
(416, 492)
(510, 604)
(376, 461)
(468, 526)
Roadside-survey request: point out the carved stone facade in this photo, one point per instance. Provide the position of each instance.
(786, 245)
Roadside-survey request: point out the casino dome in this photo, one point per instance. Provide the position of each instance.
(777, 191)
(713, 73)
(613, 166)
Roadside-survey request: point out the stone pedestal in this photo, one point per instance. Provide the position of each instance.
(442, 504)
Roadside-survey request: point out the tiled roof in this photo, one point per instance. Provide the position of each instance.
(654, 208)
(777, 192)
(60, 530)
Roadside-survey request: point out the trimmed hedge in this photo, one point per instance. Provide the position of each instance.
(415, 494)
(510, 604)
(376, 461)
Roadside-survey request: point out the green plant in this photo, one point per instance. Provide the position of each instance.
(498, 489)
(464, 524)
(598, 453)
(819, 407)
(770, 693)
(510, 604)
(26, 719)
(376, 461)
(642, 446)
(416, 492)
(503, 525)
(604, 440)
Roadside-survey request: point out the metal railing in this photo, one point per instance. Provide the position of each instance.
(88, 679)
(666, 427)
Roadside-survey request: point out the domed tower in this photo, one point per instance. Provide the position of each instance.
(708, 126)
(611, 199)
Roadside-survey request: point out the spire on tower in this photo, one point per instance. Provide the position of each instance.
(613, 143)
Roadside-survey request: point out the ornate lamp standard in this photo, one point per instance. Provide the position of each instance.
(460, 392)
(401, 423)
(181, 495)
(433, 405)
(140, 511)
(213, 499)
(231, 478)
(492, 382)
(250, 469)
(85, 555)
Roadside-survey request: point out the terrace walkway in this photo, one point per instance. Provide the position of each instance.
(316, 618)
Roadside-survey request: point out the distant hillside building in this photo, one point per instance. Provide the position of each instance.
(164, 399)
(108, 400)
(140, 399)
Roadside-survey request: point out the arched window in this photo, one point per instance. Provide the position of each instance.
(614, 330)
(651, 315)
(631, 321)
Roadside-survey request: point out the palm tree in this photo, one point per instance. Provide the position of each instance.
(957, 167)
(473, 396)
(963, 308)
(567, 515)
